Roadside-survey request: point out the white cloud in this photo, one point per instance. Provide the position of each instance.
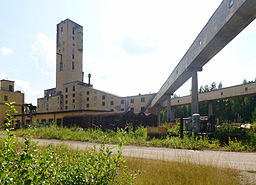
(43, 54)
(6, 51)
(31, 94)
(3, 76)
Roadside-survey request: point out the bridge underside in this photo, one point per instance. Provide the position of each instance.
(230, 18)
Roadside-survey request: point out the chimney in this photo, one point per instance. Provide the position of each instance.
(89, 79)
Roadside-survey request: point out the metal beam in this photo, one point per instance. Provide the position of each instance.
(230, 18)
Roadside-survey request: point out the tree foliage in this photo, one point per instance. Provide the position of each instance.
(237, 109)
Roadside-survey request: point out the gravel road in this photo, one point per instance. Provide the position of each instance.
(235, 160)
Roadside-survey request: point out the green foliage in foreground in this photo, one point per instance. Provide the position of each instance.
(25, 163)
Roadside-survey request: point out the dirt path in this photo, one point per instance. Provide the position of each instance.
(235, 160)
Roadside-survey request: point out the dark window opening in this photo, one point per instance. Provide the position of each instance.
(66, 89)
(73, 101)
(132, 101)
(246, 89)
(122, 101)
(103, 97)
(87, 105)
(66, 107)
(88, 92)
(73, 56)
(11, 88)
(142, 109)
(5, 98)
(74, 88)
(87, 99)
(112, 103)
(73, 65)
(103, 103)
(132, 109)
(74, 95)
(61, 66)
(66, 101)
(142, 99)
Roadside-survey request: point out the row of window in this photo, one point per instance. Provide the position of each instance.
(72, 66)
(142, 109)
(132, 100)
(73, 31)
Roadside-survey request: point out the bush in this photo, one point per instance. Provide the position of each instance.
(57, 165)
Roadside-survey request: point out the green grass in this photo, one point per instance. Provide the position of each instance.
(153, 172)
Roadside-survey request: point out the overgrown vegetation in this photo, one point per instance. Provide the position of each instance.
(227, 137)
(153, 172)
(25, 163)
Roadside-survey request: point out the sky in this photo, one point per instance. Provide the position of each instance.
(130, 46)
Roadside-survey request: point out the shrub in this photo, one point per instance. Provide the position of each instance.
(57, 165)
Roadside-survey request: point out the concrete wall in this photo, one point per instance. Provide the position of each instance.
(224, 93)
(7, 96)
(70, 52)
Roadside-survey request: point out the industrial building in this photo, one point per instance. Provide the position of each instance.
(7, 95)
(71, 92)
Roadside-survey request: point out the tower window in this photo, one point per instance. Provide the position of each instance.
(73, 65)
(66, 89)
(74, 88)
(61, 30)
(61, 66)
(73, 56)
(73, 30)
(73, 38)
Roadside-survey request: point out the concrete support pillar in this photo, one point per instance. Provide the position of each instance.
(158, 109)
(169, 108)
(210, 108)
(194, 102)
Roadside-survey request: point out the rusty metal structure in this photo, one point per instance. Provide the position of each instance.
(111, 120)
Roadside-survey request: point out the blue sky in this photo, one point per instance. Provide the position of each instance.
(130, 46)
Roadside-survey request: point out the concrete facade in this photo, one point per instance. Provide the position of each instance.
(7, 95)
(69, 56)
(71, 93)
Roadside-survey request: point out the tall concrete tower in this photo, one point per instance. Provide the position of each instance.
(69, 53)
